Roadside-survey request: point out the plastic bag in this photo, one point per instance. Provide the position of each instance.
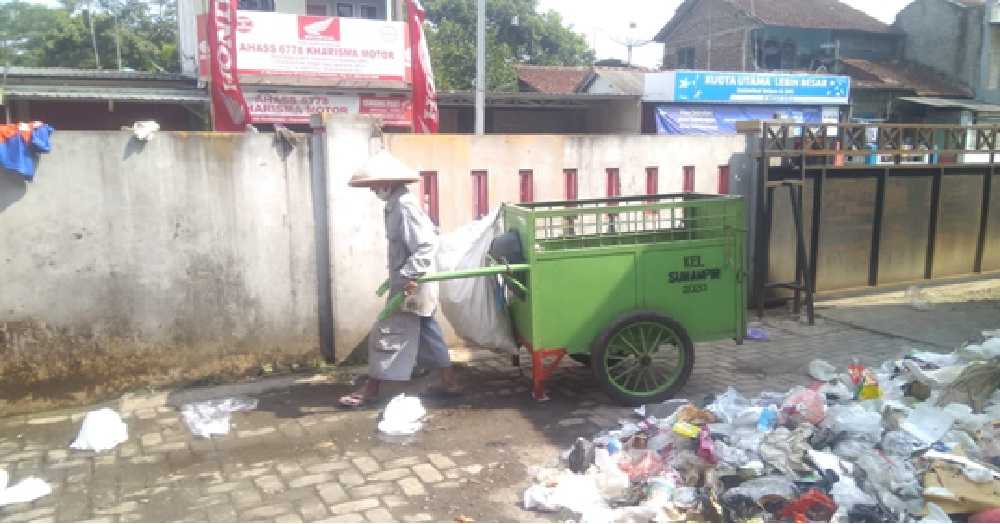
(211, 417)
(855, 420)
(836, 391)
(402, 416)
(928, 423)
(822, 370)
(803, 405)
(763, 486)
(27, 490)
(900, 443)
(935, 515)
(729, 405)
(965, 419)
(470, 304)
(785, 450)
(101, 430)
(641, 465)
(852, 449)
(612, 482)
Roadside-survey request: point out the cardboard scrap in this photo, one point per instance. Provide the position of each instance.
(948, 487)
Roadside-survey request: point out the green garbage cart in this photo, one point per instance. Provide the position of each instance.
(625, 285)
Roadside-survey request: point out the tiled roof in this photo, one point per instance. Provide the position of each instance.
(866, 74)
(806, 14)
(575, 79)
(551, 79)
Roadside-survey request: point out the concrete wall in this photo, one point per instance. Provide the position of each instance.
(943, 35)
(356, 226)
(129, 264)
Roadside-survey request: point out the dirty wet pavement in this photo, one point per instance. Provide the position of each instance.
(298, 457)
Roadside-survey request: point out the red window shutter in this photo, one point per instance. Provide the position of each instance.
(614, 182)
(723, 180)
(652, 180)
(527, 186)
(429, 195)
(480, 196)
(688, 179)
(571, 187)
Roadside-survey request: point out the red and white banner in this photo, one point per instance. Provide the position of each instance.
(425, 107)
(276, 44)
(296, 107)
(229, 109)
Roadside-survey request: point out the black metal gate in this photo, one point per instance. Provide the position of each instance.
(847, 205)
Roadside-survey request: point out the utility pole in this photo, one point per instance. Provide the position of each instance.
(481, 67)
(118, 42)
(93, 34)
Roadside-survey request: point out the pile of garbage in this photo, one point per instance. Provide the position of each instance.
(916, 439)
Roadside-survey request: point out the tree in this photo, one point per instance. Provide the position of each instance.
(516, 34)
(36, 36)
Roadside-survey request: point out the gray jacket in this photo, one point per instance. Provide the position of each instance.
(412, 245)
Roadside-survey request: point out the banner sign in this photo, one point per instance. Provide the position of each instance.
(229, 109)
(296, 107)
(691, 119)
(426, 116)
(277, 44)
(747, 88)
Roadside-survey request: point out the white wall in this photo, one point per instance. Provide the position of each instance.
(357, 237)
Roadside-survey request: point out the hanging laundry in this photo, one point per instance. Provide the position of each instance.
(20, 143)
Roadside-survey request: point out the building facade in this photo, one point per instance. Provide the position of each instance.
(300, 57)
(803, 36)
(959, 38)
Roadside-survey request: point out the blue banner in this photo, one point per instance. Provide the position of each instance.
(722, 87)
(691, 119)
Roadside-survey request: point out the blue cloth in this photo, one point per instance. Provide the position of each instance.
(21, 143)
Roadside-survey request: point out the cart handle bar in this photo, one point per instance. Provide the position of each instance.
(397, 298)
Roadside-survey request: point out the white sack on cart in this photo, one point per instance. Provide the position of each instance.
(470, 304)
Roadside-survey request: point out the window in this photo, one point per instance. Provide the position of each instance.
(316, 8)
(368, 11)
(685, 58)
(652, 180)
(480, 196)
(345, 9)
(688, 179)
(571, 188)
(527, 186)
(614, 182)
(256, 5)
(723, 180)
(429, 194)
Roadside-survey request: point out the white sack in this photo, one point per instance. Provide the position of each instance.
(101, 430)
(470, 304)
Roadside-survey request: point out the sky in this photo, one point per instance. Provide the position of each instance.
(606, 24)
(608, 30)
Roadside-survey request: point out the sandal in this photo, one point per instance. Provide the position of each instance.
(354, 400)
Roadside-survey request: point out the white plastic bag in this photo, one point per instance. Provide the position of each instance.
(928, 423)
(729, 405)
(935, 515)
(855, 420)
(212, 416)
(822, 370)
(27, 490)
(101, 430)
(470, 304)
(402, 416)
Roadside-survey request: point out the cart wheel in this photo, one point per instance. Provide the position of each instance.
(642, 358)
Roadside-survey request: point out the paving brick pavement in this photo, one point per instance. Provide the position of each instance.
(300, 458)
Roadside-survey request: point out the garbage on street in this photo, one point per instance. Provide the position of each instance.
(914, 440)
